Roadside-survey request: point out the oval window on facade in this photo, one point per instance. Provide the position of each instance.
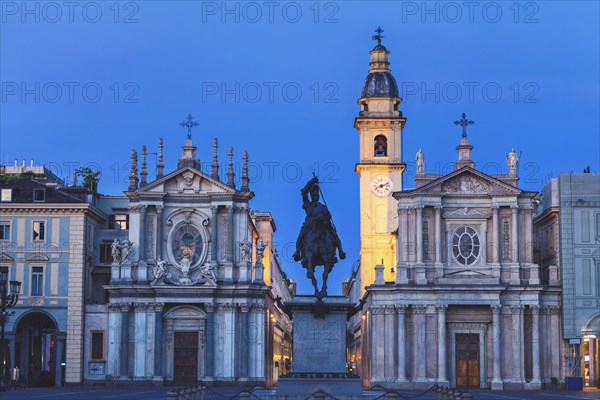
(465, 245)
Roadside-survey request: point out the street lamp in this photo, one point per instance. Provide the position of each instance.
(8, 298)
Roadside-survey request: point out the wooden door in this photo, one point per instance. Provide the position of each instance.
(467, 360)
(185, 357)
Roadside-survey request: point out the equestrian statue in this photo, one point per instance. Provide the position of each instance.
(318, 239)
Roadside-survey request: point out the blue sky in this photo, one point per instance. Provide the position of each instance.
(84, 84)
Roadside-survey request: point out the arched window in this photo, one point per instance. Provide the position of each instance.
(380, 146)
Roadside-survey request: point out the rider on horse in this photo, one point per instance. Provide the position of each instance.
(318, 240)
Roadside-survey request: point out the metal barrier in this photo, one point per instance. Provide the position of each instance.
(188, 393)
(446, 393)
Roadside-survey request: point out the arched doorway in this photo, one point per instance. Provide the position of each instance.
(185, 340)
(35, 350)
(590, 352)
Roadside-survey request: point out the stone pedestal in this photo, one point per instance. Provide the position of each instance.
(319, 356)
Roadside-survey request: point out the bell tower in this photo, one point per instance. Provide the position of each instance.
(379, 125)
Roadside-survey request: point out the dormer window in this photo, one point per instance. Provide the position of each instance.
(118, 221)
(380, 146)
(39, 195)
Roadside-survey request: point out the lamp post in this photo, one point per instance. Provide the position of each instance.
(8, 298)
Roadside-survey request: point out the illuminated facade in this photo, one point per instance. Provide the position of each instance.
(463, 304)
(189, 297)
(379, 126)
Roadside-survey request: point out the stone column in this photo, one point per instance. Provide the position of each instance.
(210, 339)
(401, 337)
(253, 336)
(515, 234)
(535, 345)
(517, 342)
(12, 355)
(60, 345)
(528, 256)
(401, 270)
(159, 224)
(230, 228)
(441, 345)
(260, 341)
(515, 274)
(114, 339)
(245, 343)
(497, 383)
(378, 348)
(169, 340)
(419, 348)
(139, 364)
(419, 233)
(158, 341)
(389, 366)
(420, 278)
(142, 244)
(495, 237)
(214, 215)
(405, 238)
(124, 356)
(438, 235)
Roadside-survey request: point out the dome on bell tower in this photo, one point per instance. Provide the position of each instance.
(380, 84)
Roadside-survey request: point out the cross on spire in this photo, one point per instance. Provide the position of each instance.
(464, 122)
(379, 36)
(189, 124)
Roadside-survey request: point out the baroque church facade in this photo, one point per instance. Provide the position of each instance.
(191, 282)
(452, 294)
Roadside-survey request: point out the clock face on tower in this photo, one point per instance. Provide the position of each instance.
(382, 186)
(187, 241)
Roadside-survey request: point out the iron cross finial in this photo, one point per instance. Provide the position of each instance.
(464, 122)
(189, 124)
(378, 37)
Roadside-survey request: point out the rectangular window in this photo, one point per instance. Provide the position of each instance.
(97, 345)
(4, 231)
(39, 195)
(585, 226)
(4, 274)
(106, 251)
(37, 281)
(39, 230)
(6, 195)
(587, 276)
(118, 221)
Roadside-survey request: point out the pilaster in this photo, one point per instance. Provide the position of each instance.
(419, 348)
(535, 346)
(441, 343)
(497, 383)
(401, 337)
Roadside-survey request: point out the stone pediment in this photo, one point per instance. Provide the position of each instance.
(6, 258)
(40, 257)
(467, 212)
(187, 180)
(467, 181)
(465, 273)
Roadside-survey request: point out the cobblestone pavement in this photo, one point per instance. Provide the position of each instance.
(149, 393)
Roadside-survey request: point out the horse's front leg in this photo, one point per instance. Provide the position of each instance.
(326, 270)
(310, 274)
